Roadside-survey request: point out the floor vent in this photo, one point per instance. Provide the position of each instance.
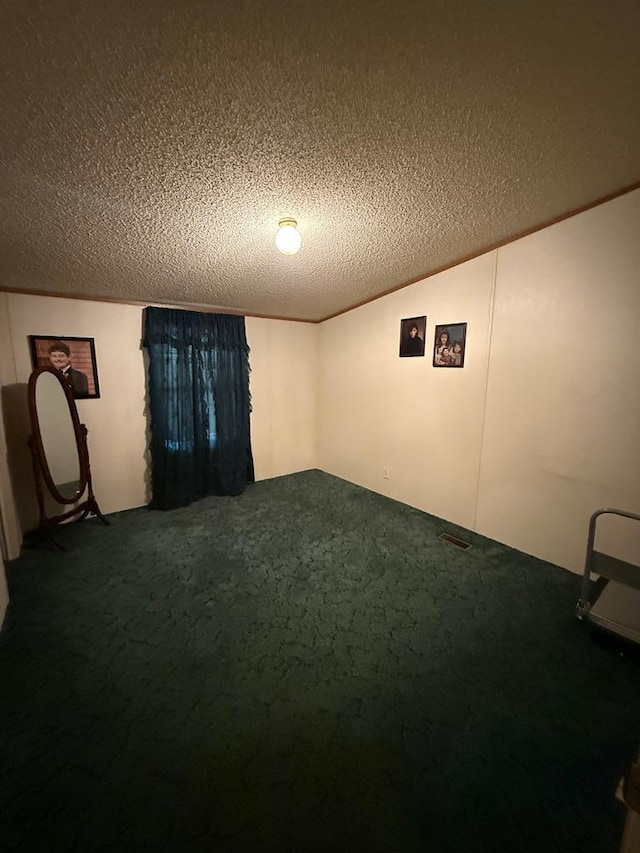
(453, 540)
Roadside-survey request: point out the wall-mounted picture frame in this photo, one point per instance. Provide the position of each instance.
(75, 358)
(449, 345)
(412, 336)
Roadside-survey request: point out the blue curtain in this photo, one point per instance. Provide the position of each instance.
(200, 405)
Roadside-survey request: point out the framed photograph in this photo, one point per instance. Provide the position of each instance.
(412, 336)
(75, 358)
(449, 345)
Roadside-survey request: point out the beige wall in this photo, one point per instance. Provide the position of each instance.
(541, 426)
(284, 396)
(562, 427)
(283, 385)
(116, 422)
(10, 533)
(424, 424)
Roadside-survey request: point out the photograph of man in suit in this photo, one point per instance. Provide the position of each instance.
(60, 358)
(412, 335)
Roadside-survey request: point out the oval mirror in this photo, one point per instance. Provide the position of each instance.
(57, 429)
(60, 454)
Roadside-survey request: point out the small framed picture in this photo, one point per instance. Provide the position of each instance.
(449, 345)
(75, 358)
(412, 336)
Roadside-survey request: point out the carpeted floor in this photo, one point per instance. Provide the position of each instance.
(304, 668)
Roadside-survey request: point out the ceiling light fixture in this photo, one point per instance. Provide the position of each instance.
(288, 238)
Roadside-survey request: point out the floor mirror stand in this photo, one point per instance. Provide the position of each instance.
(71, 490)
(78, 512)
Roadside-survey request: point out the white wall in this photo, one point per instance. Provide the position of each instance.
(283, 385)
(422, 423)
(116, 422)
(284, 396)
(10, 533)
(541, 426)
(562, 427)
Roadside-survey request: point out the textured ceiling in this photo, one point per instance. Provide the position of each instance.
(149, 147)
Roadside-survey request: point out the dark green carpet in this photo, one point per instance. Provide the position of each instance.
(304, 668)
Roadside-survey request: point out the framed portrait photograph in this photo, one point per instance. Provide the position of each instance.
(412, 336)
(75, 358)
(449, 345)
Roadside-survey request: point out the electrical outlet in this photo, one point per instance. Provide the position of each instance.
(385, 473)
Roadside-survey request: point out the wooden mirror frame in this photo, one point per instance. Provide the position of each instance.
(83, 501)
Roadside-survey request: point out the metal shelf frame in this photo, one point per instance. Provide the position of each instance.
(604, 565)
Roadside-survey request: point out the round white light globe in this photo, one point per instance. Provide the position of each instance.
(288, 240)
